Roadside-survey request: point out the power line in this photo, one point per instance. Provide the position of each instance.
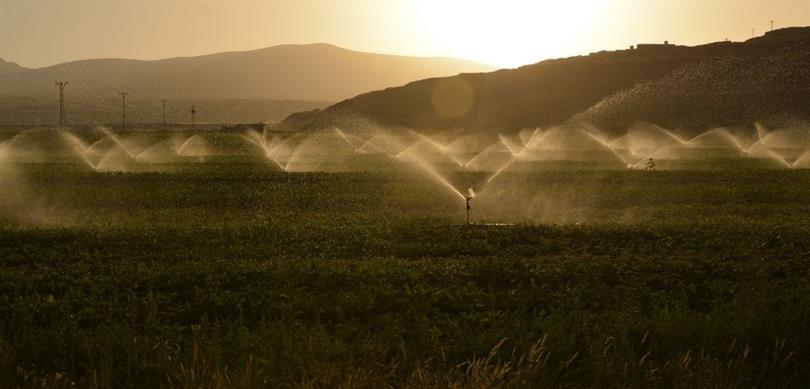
(123, 110)
(61, 85)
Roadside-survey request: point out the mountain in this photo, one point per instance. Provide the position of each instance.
(8, 67)
(784, 35)
(726, 91)
(693, 88)
(320, 72)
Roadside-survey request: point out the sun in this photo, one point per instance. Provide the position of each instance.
(504, 33)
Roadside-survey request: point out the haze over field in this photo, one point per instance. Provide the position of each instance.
(622, 200)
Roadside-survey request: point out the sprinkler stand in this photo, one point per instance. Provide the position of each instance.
(468, 208)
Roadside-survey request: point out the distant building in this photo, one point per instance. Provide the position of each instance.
(643, 49)
(654, 46)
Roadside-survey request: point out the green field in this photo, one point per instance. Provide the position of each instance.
(237, 276)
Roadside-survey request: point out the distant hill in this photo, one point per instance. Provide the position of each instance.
(319, 72)
(726, 91)
(8, 67)
(784, 35)
(693, 88)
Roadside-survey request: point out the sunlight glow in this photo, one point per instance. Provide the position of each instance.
(506, 33)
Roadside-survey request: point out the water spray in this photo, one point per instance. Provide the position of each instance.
(468, 198)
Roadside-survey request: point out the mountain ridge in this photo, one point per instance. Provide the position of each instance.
(230, 52)
(318, 71)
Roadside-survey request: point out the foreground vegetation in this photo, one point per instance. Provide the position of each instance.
(234, 276)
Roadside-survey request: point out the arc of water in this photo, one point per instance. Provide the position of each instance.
(141, 155)
(605, 145)
(255, 138)
(106, 160)
(671, 135)
(277, 162)
(372, 146)
(118, 142)
(530, 144)
(10, 141)
(369, 143)
(723, 133)
(408, 149)
(440, 147)
(501, 170)
(260, 141)
(489, 150)
(274, 150)
(778, 158)
(804, 158)
(294, 155)
(763, 136)
(93, 145)
(257, 142)
(75, 142)
(537, 137)
(177, 141)
(186, 143)
(3, 146)
(513, 149)
(762, 132)
(438, 176)
(103, 160)
(533, 141)
(345, 138)
(528, 140)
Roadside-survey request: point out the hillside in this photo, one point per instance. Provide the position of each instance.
(679, 86)
(318, 72)
(8, 67)
(727, 91)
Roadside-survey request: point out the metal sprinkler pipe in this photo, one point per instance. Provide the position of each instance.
(468, 208)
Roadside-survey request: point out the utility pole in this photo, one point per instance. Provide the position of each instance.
(164, 110)
(61, 85)
(193, 112)
(123, 110)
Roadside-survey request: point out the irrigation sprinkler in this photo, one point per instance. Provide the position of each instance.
(468, 198)
(469, 207)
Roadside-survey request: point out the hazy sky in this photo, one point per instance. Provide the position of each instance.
(504, 33)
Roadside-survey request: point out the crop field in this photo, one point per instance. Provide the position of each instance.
(223, 275)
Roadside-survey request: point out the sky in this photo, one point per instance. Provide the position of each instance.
(503, 33)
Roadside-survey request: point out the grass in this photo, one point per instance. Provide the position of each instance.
(232, 276)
